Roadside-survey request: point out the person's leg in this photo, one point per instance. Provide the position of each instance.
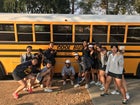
(48, 80)
(107, 84)
(21, 87)
(102, 77)
(87, 79)
(121, 88)
(64, 77)
(31, 80)
(93, 76)
(79, 80)
(98, 83)
(125, 87)
(71, 79)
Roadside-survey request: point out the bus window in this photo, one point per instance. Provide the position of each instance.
(42, 32)
(99, 33)
(82, 32)
(117, 33)
(133, 34)
(24, 32)
(7, 32)
(62, 33)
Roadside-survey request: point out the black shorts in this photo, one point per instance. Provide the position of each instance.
(119, 76)
(18, 76)
(102, 68)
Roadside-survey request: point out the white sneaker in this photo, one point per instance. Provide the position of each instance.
(41, 85)
(64, 82)
(115, 92)
(92, 82)
(82, 80)
(72, 82)
(127, 96)
(102, 88)
(47, 90)
(77, 85)
(98, 83)
(86, 86)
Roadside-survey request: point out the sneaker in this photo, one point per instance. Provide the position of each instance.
(72, 82)
(104, 94)
(47, 90)
(77, 85)
(102, 88)
(41, 85)
(15, 95)
(98, 83)
(115, 92)
(86, 86)
(64, 82)
(82, 80)
(127, 96)
(92, 82)
(124, 101)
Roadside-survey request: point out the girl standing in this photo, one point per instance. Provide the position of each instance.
(114, 70)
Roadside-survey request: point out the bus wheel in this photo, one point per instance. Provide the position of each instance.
(2, 71)
(138, 71)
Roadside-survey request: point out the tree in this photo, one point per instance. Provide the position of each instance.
(10, 5)
(85, 6)
(1, 6)
(35, 6)
(137, 5)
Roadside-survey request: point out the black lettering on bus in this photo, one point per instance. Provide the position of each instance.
(63, 47)
(77, 47)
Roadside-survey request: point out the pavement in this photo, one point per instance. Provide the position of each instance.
(133, 88)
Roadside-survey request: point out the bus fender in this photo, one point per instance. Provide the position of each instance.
(2, 71)
(138, 71)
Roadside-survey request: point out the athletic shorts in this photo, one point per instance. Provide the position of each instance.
(119, 76)
(102, 68)
(18, 76)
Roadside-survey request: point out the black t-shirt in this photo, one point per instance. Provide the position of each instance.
(23, 69)
(50, 55)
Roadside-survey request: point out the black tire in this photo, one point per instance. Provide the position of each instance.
(138, 71)
(2, 71)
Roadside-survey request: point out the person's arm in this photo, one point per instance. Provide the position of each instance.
(47, 71)
(73, 71)
(121, 61)
(63, 71)
(108, 65)
(22, 58)
(85, 63)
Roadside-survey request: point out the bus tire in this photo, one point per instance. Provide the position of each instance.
(138, 71)
(2, 71)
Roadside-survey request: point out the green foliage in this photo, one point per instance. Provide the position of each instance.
(137, 5)
(35, 6)
(86, 6)
(1, 6)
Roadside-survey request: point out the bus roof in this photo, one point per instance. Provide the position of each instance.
(67, 17)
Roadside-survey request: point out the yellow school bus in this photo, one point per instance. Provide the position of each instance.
(67, 31)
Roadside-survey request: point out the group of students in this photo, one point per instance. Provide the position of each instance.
(95, 61)
(100, 65)
(108, 65)
(30, 70)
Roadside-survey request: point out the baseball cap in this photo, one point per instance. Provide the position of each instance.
(67, 61)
